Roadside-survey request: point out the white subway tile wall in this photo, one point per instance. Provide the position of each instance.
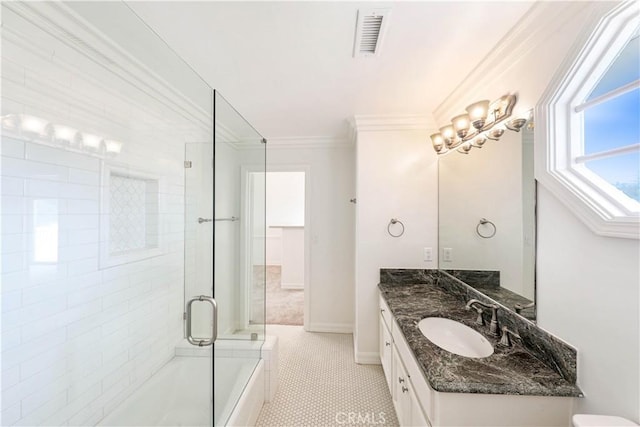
(76, 339)
(78, 335)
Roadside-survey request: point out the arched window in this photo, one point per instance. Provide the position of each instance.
(588, 128)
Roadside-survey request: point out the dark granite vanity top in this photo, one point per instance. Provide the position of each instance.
(509, 370)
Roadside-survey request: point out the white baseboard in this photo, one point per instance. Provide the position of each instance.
(336, 328)
(292, 285)
(371, 358)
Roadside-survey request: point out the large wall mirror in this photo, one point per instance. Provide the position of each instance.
(487, 219)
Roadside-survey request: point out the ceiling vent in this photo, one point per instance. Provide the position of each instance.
(370, 29)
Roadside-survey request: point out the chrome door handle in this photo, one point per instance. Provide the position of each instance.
(214, 327)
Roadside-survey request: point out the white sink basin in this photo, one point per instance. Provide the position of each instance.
(455, 337)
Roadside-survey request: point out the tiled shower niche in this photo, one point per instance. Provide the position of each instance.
(131, 227)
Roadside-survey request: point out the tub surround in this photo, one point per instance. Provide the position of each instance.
(537, 364)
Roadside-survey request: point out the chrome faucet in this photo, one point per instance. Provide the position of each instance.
(494, 328)
(519, 307)
(506, 340)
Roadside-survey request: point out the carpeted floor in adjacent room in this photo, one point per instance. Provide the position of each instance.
(284, 306)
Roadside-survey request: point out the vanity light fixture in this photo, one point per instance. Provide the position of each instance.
(483, 120)
(42, 131)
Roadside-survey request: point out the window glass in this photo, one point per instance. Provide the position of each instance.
(625, 69)
(621, 171)
(614, 123)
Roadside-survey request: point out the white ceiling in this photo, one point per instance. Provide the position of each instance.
(288, 66)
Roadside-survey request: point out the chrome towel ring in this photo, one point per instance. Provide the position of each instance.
(491, 225)
(395, 221)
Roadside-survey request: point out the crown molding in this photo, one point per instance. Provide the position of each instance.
(537, 24)
(66, 26)
(309, 142)
(372, 123)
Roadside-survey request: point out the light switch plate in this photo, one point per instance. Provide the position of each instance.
(428, 254)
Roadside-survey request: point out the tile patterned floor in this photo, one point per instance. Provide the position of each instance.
(321, 385)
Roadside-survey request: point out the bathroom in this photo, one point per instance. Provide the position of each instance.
(361, 128)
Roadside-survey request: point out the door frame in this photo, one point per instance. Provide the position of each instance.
(246, 238)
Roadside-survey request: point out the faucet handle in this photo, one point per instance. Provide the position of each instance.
(480, 319)
(506, 340)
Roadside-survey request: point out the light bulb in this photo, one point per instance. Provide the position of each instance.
(33, 124)
(448, 134)
(91, 141)
(478, 113)
(112, 146)
(437, 141)
(461, 125)
(64, 133)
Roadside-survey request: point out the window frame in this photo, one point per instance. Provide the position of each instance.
(559, 129)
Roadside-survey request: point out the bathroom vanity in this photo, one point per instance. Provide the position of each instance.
(530, 383)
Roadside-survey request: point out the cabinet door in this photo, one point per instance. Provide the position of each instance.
(405, 400)
(401, 399)
(386, 344)
(418, 419)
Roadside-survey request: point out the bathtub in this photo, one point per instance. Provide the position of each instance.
(179, 394)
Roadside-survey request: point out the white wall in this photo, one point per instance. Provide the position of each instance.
(285, 195)
(588, 295)
(331, 228)
(396, 178)
(587, 285)
(285, 208)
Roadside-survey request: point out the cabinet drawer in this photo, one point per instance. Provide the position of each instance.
(385, 312)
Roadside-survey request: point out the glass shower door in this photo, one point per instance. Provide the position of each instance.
(200, 319)
(238, 258)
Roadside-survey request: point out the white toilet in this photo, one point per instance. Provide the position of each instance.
(586, 420)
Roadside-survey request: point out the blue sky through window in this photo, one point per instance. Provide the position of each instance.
(612, 124)
(624, 70)
(616, 123)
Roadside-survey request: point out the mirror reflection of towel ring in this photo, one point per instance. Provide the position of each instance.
(484, 221)
(393, 222)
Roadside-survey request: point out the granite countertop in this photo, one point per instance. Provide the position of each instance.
(509, 370)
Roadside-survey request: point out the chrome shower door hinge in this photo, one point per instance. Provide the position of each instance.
(187, 164)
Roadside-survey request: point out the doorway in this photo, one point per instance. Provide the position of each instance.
(286, 234)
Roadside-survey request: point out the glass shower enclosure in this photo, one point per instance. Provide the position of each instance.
(132, 232)
(225, 250)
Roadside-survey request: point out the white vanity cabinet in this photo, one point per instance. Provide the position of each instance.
(417, 404)
(405, 401)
